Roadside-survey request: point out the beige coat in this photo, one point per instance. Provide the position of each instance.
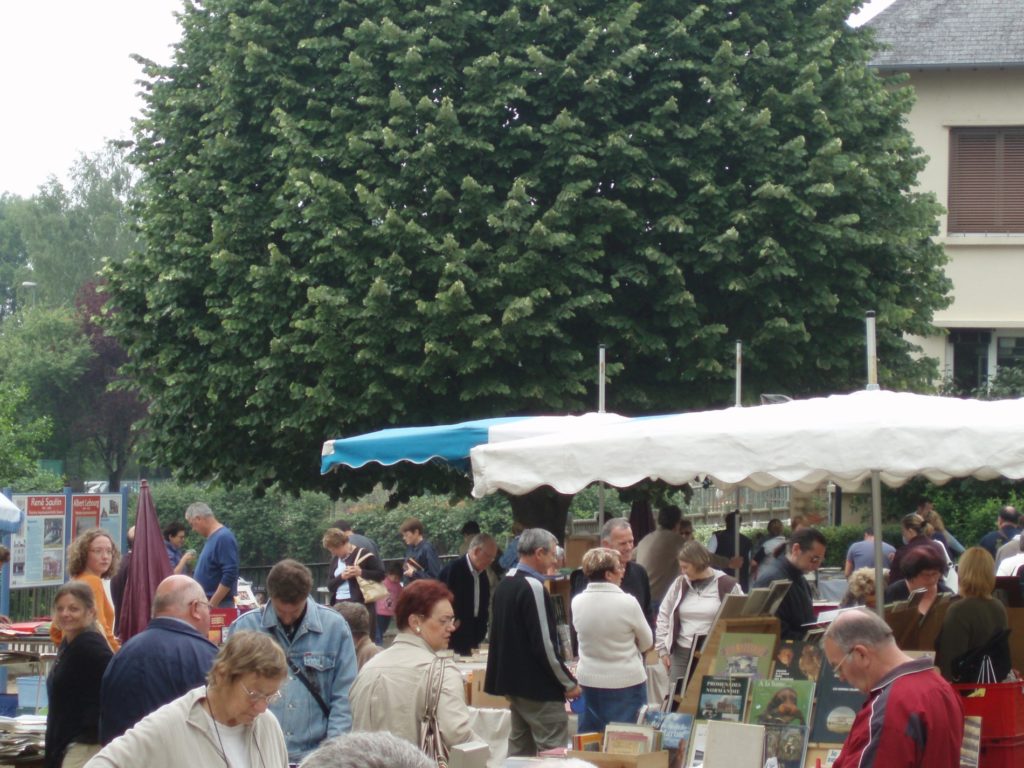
(180, 733)
(389, 694)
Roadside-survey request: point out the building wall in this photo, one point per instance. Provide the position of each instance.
(987, 271)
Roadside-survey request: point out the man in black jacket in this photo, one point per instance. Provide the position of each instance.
(466, 577)
(525, 662)
(805, 552)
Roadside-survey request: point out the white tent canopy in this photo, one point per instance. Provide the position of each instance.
(804, 443)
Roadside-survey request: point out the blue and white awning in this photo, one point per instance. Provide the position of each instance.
(448, 442)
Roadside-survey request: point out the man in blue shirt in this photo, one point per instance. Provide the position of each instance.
(861, 554)
(217, 569)
(321, 658)
(1006, 529)
(166, 660)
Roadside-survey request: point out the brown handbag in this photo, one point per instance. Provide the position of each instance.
(431, 743)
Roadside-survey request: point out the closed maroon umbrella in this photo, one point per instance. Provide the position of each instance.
(148, 567)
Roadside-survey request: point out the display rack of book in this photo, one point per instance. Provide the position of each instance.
(714, 653)
(622, 745)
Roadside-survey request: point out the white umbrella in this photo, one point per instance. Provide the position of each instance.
(803, 443)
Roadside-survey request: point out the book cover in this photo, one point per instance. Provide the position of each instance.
(785, 746)
(675, 730)
(745, 654)
(731, 608)
(798, 660)
(756, 600)
(722, 698)
(628, 739)
(730, 745)
(781, 702)
(837, 706)
(588, 742)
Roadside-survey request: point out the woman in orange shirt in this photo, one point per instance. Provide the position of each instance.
(92, 557)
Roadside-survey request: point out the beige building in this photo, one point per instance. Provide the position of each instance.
(965, 59)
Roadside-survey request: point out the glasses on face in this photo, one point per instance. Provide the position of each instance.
(101, 551)
(256, 697)
(201, 602)
(447, 621)
(839, 666)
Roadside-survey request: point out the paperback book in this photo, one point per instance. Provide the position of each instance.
(730, 745)
(722, 698)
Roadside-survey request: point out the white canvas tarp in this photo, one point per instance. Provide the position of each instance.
(804, 443)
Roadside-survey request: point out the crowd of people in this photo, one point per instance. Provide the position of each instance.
(321, 673)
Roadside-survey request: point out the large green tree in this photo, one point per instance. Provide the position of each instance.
(69, 230)
(361, 214)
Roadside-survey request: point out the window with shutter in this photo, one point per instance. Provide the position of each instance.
(986, 181)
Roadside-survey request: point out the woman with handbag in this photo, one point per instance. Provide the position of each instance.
(412, 688)
(356, 574)
(972, 621)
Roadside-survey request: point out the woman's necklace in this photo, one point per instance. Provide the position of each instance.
(700, 585)
(209, 706)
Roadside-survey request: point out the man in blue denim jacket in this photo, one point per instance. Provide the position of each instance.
(321, 659)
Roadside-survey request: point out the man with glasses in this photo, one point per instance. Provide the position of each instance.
(525, 662)
(321, 657)
(805, 552)
(912, 716)
(165, 661)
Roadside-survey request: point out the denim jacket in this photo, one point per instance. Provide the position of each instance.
(323, 649)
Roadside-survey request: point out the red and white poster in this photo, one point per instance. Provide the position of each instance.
(37, 550)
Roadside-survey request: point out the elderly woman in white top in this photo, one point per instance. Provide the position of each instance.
(613, 636)
(690, 606)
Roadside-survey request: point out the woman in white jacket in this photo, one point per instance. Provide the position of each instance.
(613, 635)
(690, 606)
(223, 723)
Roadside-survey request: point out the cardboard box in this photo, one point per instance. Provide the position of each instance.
(657, 759)
(478, 697)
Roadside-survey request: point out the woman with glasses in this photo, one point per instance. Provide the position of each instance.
(92, 557)
(390, 692)
(690, 606)
(73, 685)
(223, 723)
(613, 635)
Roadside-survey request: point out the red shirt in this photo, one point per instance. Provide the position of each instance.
(912, 718)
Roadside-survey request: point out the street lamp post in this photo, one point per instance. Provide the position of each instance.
(31, 286)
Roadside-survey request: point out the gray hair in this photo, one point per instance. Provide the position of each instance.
(613, 525)
(378, 749)
(532, 539)
(198, 509)
(481, 540)
(859, 626)
(177, 595)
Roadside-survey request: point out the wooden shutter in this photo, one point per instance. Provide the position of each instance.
(986, 180)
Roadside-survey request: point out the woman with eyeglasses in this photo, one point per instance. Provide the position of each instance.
(92, 557)
(613, 636)
(223, 723)
(73, 685)
(391, 692)
(690, 606)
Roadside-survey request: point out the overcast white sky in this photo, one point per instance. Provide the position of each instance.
(68, 82)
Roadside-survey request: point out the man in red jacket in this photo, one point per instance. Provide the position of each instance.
(912, 716)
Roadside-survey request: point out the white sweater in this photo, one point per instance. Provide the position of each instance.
(613, 635)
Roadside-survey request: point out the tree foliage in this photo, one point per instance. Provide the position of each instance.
(113, 407)
(358, 215)
(21, 437)
(68, 231)
(45, 352)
